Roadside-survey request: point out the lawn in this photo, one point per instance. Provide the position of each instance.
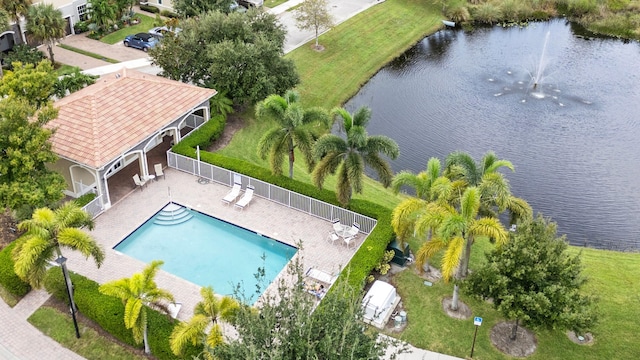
(91, 344)
(355, 51)
(146, 23)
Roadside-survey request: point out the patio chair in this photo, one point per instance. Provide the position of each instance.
(337, 226)
(332, 237)
(158, 169)
(138, 182)
(350, 240)
(246, 198)
(233, 194)
(174, 309)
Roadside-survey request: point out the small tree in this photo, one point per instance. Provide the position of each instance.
(138, 293)
(25, 181)
(31, 83)
(313, 15)
(533, 279)
(46, 24)
(286, 326)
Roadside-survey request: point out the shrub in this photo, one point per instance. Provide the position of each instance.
(80, 27)
(170, 14)
(85, 199)
(24, 54)
(8, 278)
(108, 312)
(486, 13)
(149, 8)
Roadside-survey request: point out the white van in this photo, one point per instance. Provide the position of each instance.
(251, 3)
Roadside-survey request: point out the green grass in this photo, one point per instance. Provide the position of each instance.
(88, 53)
(65, 69)
(613, 276)
(8, 297)
(146, 23)
(273, 3)
(91, 344)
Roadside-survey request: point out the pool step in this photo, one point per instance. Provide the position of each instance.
(172, 214)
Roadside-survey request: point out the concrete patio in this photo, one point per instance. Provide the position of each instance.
(262, 216)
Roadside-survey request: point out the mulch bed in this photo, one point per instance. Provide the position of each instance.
(524, 345)
(8, 229)
(463, 312)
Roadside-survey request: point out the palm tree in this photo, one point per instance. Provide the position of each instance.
(46, 24)
(45, 233)
(101, 13)
(138, 293)
(494, 188)
(17, 9)
(206, 315)
(221, 104)
(456, 231)
(421, 182)
(348, 156)
(293, 130)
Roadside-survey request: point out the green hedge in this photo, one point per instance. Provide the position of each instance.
(85, 199)
(8, 278)
(150, 8)
(170, 14)
(369, 254)
(108, 312)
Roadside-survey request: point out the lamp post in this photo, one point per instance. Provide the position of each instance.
(62, 261)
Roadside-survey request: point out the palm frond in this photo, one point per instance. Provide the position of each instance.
(132, 310)
(406, 178)
(452, 256)
(228, 308)
(362, 116)
(269, 139)
(273, 107)
(32, 252)
(381, 167)
(427, 250)
(329, 143)
(150, 271)
(403, 216)
(317, 114)
(353, 166)
(434, 169)
(79, 240)
(328, 165)
(70, 215)
(466, 166)
(452, 225)
(357, 138)
(215, 336)
(470, 203)
(489, 227)
(188, 333)
(342, 113)
(519, 209)
(304, 142)
(343, 185)
(383, 144)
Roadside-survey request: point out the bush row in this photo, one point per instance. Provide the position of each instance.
(369, 254)
(150, 8)
(108, 312)
(8, 278)
(170, 14)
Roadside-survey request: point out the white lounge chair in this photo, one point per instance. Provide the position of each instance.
(174, 309)
(246, 198)
(233, 194)
(138, 182)
(321, 276)
(158, 169)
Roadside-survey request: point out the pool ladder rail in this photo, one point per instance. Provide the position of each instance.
(173, 214)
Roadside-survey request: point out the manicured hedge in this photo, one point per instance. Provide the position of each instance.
(149, 8)
(8, 278)
(369, 254)
(170, 14)
(108, 312)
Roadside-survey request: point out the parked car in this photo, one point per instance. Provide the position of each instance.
(235, 7)
(251, 3)
(162, 31)
(142, 41)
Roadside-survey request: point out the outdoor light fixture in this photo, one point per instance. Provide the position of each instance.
(62, 262)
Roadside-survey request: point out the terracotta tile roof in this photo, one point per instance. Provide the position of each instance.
(100, 122)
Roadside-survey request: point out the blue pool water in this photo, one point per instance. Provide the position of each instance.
(207, 251)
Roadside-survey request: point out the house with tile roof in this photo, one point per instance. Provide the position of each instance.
(116, 124)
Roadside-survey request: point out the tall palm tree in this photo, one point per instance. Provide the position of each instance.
(17, 9)
(206, 315)
(494, 188)
(456, 231)
(422, 182)
(138, 293)
(348, 156)
(293, 130)
(46, 24)
(45, 233)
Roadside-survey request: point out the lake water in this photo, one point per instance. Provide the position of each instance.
(575, 140)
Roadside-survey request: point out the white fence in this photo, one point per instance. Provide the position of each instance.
(95, 207)
(271, 192)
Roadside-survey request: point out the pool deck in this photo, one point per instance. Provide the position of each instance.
(263, 216)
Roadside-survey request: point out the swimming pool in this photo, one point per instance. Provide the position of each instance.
(207, 251)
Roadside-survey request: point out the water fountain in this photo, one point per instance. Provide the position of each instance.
(538, 75)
